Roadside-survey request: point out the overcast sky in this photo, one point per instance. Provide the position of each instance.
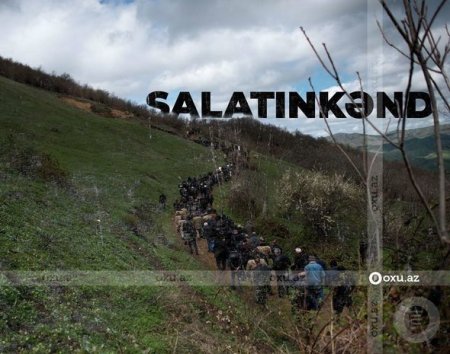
(131, 47)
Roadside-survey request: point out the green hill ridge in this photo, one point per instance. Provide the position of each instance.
(79, 192)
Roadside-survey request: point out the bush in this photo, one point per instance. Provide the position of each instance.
(247, 194)
(50, 170)
(101, 109)
(271, 228)
(139, 219)
(131, 220)
(327, 206)
(32, 163)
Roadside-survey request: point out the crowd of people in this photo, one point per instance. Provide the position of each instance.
(248, 257)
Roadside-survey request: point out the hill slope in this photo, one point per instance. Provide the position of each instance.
(79, 192)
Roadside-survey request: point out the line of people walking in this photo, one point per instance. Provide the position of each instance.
(248, 257)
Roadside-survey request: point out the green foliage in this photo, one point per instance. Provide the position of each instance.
(327, 206)
(26, 160)
(131, 220)
(246, 196)
(72, 184)
(101, 109)
(108, 220)
(66, 85)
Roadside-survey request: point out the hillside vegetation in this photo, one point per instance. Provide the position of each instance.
(79, 191)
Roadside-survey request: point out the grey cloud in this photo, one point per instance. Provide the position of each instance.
(197, 45)
(190, 18)
(9, 5)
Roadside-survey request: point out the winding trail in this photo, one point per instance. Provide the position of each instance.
(278, 309)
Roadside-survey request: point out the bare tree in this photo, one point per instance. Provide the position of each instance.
(425, 51)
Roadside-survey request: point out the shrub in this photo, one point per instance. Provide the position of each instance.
(131, 220)
(247, 194)
(327, 206)
(50, 170)
(32, 163)
(139, 219)
(270, 228)
(101, 109)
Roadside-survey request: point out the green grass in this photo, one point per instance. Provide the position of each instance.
(108, 170)
(113, 169)
(268, 172)
(79, 191)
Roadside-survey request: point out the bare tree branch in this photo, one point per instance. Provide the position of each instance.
(410, 29)
(363, 179)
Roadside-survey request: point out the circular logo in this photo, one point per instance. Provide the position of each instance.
(416, 319)
(375, 278)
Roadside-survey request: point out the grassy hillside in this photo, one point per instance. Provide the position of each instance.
(113, 171)
(79, 192)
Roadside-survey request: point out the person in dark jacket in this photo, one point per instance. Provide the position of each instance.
(254, 240)
(235, 263)
(210, 233)
(190, 235)
(221, 253)
(162, 201)
(281, 265)
(300, 259)
(342, 287)
(262, 281)
(276, 249)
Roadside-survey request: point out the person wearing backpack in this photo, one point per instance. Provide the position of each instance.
(190, 236)
(221, 253)
(281, 266)
(235, 264)
(162, 201)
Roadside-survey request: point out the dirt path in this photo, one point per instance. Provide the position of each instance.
(206, 257)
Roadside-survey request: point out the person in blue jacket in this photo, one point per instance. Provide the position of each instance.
(314, 279)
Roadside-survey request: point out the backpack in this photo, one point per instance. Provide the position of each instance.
(188, 229)
(235, 260)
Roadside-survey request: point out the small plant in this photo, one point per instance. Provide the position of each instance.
(50, 170)
(101, 109)
(31, 163)
(131, 220)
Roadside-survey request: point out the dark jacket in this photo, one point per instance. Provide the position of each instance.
(281, 262)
